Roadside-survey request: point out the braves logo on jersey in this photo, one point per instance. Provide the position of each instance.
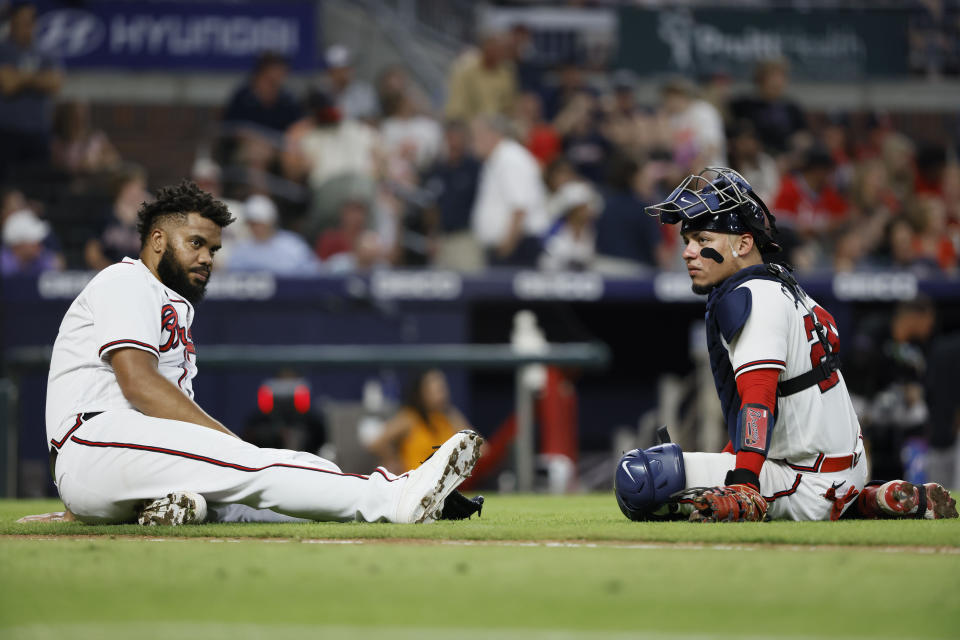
(755, 427)
(175, 333)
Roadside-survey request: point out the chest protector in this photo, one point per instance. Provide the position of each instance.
(727, 311)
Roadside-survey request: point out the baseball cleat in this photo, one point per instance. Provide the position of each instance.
(901, 499)
(179, 507)
(427, 486)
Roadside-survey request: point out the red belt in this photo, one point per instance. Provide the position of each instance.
(829, 464)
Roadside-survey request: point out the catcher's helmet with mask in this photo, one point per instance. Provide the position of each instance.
(719, 199)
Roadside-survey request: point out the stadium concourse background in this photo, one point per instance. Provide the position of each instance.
(844, 115)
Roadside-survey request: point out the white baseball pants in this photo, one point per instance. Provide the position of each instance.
(109, 465)
(791, 493)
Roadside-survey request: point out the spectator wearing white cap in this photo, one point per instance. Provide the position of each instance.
(23, 252)
(570, 243)
(355, 98)
(270, 249)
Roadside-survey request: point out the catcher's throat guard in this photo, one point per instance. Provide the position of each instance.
(718, 199)
(646, 479)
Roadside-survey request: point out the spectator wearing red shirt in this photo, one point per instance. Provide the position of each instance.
(808, 200)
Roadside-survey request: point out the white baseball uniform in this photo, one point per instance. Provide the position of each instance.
(815, 428)
(108, 464)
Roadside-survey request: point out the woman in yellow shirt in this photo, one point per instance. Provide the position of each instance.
(426, 420)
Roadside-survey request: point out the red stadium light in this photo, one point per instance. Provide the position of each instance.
(301, 398)
(265, 399)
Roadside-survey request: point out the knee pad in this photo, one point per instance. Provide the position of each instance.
(646, 478)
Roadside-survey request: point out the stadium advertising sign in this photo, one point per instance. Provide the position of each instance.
(416, 285)
(65, 285)
(875, 286)
(177, 35)
(820, 44)
(533, 285)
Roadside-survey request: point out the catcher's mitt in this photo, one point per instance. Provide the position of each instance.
(732, 503)
(459, 507)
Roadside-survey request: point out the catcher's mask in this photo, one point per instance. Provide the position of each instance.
(719, 199)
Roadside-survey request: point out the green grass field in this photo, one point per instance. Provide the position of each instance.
(531, 567)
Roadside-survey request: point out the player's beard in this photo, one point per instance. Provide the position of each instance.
(706, 288)
(173, 274)
(703, 289)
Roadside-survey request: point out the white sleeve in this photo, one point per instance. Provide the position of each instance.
(126, 313)
(762, 343)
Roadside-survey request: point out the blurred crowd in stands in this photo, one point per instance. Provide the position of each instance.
(521, 167)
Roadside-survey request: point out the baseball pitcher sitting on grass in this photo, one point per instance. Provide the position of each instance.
(128, 443)
(795, 450)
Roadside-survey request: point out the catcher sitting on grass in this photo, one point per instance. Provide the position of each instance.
(128, 443)
(795, 450)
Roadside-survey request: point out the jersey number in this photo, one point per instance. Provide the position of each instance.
(817, 352)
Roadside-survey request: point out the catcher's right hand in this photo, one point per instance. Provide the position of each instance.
(732, 503)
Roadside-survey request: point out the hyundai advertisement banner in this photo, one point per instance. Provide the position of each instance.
(172, 35)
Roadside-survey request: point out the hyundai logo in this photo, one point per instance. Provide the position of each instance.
(69, 33)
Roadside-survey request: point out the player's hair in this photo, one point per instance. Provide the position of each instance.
(177, 202)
